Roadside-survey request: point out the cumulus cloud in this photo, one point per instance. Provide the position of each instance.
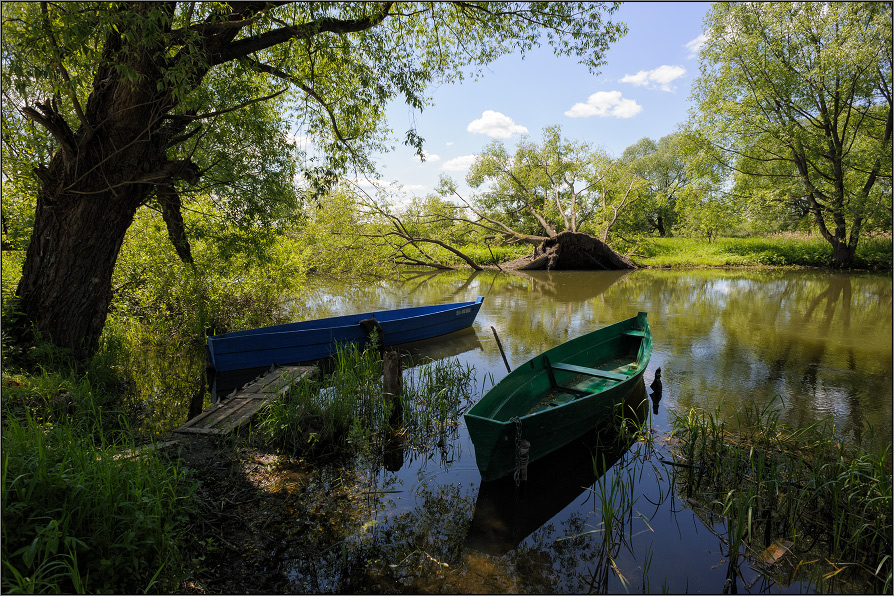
(605, 104)
(695, 45)
(459, 164)
(496, 125)
(662, 77)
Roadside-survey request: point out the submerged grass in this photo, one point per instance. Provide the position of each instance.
(807, 491)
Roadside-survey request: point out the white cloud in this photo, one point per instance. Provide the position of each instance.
(459, 164)
(449, 143)
(605, 104)
(429, 157)
(496, 125)
(662, 77)
(695, 45)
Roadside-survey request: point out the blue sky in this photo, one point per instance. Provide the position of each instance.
(642, 91)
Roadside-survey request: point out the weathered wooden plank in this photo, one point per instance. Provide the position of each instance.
(200, 431)
(240, 406)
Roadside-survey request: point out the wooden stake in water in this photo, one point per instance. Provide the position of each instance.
(499, 345)
(393, 379)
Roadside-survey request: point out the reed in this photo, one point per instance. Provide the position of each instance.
(348, 408)
(830, 498)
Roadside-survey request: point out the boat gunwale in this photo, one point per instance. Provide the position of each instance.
(261, 330)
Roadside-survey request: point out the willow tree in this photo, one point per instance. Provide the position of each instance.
(123, 89)
(547, 188)
(800, 95)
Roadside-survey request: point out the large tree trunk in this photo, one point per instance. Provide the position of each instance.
(65, 288)
(97, 179)
(90, 192)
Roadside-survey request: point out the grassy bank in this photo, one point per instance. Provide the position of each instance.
(797, 503)
(774, 251)
(79, 515)
(783, 250)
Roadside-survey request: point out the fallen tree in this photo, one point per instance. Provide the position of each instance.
(571, 250)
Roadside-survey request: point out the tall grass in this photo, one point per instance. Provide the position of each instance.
(831, 499)
(77, 518)
(348, 409)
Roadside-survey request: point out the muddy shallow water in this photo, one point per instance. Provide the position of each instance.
(421, 520)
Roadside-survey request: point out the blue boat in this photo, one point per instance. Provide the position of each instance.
(308, 341)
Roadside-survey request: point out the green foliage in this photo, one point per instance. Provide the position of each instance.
(79, 518)
(485, 254)
(797, 99)
(242, 278)
(664, 166)
(335, 237)
(557, 185)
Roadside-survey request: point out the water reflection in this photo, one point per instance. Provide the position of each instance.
(507, 513)
(721, 339)
(821, 341)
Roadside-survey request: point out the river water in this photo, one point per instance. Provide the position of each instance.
(818, 344)
(820, 341)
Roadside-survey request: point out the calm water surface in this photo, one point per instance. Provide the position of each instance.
(819, 341)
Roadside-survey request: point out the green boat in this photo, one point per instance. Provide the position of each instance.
(559, 395)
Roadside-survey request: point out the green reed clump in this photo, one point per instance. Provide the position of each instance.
(327, 415)
(77, 517)
(348, 408)
(436, 395)
(830, 498)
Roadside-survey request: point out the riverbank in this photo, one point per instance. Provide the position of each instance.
(782, 250)
(785, 250)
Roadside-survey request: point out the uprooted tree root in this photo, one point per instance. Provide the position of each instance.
(573, 251)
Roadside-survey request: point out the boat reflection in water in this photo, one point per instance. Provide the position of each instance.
(506, 514)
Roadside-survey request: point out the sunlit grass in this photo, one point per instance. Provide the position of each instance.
(789, 250)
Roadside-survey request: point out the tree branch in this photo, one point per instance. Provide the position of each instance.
(57, 54)
(243, 47)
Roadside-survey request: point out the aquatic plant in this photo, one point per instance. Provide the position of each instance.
(348, 408)
(807, 492)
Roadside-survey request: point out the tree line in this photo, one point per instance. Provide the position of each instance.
(113, 108)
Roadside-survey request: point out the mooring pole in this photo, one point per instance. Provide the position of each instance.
(499, 345)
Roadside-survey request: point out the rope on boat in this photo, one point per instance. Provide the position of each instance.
(522, 451)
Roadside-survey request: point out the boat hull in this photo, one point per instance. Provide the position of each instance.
(307, 341)
(551, 400)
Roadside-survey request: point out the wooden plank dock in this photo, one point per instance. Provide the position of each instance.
(239, 407)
